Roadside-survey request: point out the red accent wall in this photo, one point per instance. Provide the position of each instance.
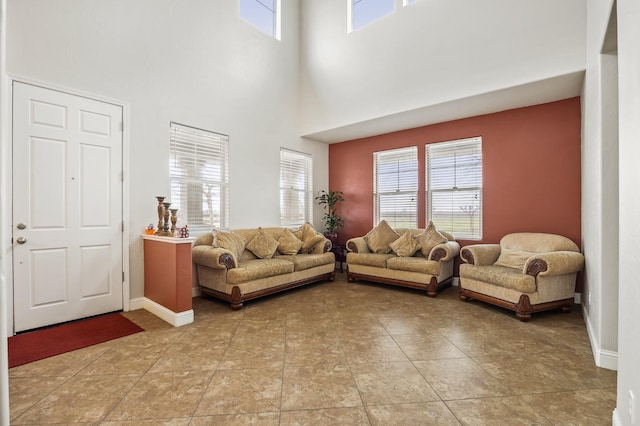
(531, 170)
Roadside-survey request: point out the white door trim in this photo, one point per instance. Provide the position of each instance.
(7, 185)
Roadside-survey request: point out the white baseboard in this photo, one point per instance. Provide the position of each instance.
(616, 421)
(602, 357)
(176, 319)
(195, 292)
(455, 281)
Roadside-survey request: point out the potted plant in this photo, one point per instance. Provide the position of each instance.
(332, 222)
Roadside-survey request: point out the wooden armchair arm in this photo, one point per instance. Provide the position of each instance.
(480, 254)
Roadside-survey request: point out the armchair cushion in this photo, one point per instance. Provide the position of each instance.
(507, 277)
(513, 258)
(379, 238)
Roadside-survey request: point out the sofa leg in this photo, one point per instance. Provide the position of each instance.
(566, 309)
(236, 298)
(432, 287)
(463, 296)
(523, 308)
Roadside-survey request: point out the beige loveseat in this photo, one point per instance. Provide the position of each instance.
(526, 272)
(244, 264)
(415, 258)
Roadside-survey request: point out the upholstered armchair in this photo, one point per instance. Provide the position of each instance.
(526, 272)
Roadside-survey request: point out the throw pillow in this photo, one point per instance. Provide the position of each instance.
(405, 246)
(289, 243)
(263, 245)
(429, 239)
(231, 241)
(379, 238)
(309, 237)
(513, 258)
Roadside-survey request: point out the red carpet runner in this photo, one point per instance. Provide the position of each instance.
(47, 342)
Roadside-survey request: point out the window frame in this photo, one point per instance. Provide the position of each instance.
(396, 155)
(201, 142)
(305, 166)
(473, 144)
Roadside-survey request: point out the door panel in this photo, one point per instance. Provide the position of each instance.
(67, 191)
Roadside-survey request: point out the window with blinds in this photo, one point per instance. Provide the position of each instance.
(296, 188)
(395, 186)
(199, 174)
(454, 187)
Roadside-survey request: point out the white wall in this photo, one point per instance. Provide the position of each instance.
(195, 63)
(430, 52)
(629, 314)
(4, 282)
(600, 205)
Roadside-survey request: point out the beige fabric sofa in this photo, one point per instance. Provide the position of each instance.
(526, 272)
(231, 271)
(429, 268)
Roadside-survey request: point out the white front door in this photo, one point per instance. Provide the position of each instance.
(67, 207)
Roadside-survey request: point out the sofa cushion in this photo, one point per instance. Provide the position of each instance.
(405, 246)
(309, 237)
(308, 261)
(231, 241)
(513, 258)
(258, 268)
(379, 238)
(369, 259)
(414, 264)
(262, 245)
(429, 239)
(289, 243)
(499, 275)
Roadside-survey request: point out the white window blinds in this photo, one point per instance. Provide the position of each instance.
(395, 186)
(454, 187)
(296, 193)
(199, 173)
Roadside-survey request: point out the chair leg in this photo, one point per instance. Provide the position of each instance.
(523, 308)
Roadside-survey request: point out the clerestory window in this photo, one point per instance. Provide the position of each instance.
(262, 14)
(363, 12)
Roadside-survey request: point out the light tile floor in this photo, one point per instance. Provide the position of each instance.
(328, 354)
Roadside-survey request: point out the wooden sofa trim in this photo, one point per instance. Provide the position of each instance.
(432, 288)
(236, 298)
(523, 308)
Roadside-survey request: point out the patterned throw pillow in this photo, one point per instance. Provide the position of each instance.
(289, 243)
(429, 239)
(309, 237)
(263, 245)
(379, 238)
(231, 241)
(405, 246)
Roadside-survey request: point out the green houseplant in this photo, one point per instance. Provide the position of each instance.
(332, 222)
